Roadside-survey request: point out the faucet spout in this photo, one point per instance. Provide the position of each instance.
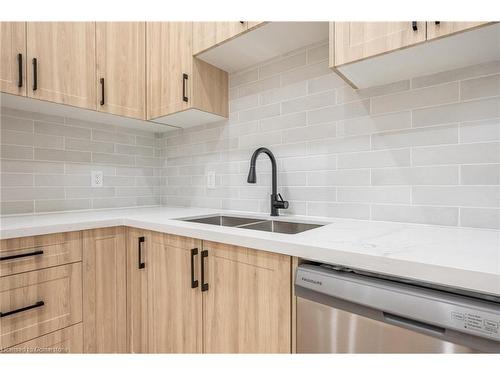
(277, 201)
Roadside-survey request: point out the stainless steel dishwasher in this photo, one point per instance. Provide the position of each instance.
(341, 310)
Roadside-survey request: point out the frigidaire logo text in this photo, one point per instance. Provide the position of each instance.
(312, 281)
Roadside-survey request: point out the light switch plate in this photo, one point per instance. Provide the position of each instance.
(97, 179)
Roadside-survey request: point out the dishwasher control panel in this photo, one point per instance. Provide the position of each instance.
(476, 321)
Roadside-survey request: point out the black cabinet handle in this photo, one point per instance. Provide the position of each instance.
(102, 91)
(242, 22)
(437, 22)
(33, 253)
(414, 25)
(194, 283)
(20, 66)
(141, 264)
(204, 285)
(184, 81)
(12, 312)
(35, 74)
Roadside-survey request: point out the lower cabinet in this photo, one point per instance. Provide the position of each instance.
(104, 291)
(33, 304)
(164, 305)
(189, 296)
(122, 290)
(247, 300)
(66, 340)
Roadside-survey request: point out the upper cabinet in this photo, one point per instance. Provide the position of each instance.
(13, 57)
(359, 40)
(438, 29)
(61, 62)
(368, 54)
(210, 34)
(121, 68)
(181, 90)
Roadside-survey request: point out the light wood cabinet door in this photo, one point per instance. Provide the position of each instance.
(61, 62)
(355, 41)
(104, 290)
(121, 68)
(247, 307)
(165, 307)
(39, 302)
(169, 67)
(210, 34)
(439, 29)
(13, 57)
(66, 340)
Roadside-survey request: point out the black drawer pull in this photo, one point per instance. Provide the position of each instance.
(20, 66)
(194, 283)
(184, 88)
(33, 253)
(141, 263)
(12, 312)
(414, 25)
(102, 91)
(204, 285)
(35, 74)
(437, 22)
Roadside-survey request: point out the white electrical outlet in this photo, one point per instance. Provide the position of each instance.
(97, 178)
(211, 180)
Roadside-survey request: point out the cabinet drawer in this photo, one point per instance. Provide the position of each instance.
(38, 302)
(33, 253)
(66, 340)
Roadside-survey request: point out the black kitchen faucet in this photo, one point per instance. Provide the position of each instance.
(277, 201)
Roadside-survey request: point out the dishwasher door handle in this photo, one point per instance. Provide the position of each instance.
(413, 324)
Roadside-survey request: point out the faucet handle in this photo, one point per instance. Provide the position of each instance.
(283, 203)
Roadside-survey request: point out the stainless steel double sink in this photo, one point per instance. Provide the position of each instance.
(276, 226)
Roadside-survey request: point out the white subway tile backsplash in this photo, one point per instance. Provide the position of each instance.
(425, 150)
(348, 94)
(338, 145)
(62, 155)
(339, 112)
(355, 177)
(375, 159)
(342, 210)
(415, 137)
(416, 214)
(480, 131)
(58, 129)
(465, 196)
(465, 111)
(480, 218)
(16, 124)
(47, 162)
(374, 124)
(307, 72)
(486, 174)
(309, 133)
(374, 194)
(305, 103)
(16, 152)
(472, 153)
(480, 87)
(428, 175)
(429, 96)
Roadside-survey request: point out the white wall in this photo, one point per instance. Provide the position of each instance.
(424, 150)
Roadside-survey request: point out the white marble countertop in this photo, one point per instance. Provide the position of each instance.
(456, 257)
